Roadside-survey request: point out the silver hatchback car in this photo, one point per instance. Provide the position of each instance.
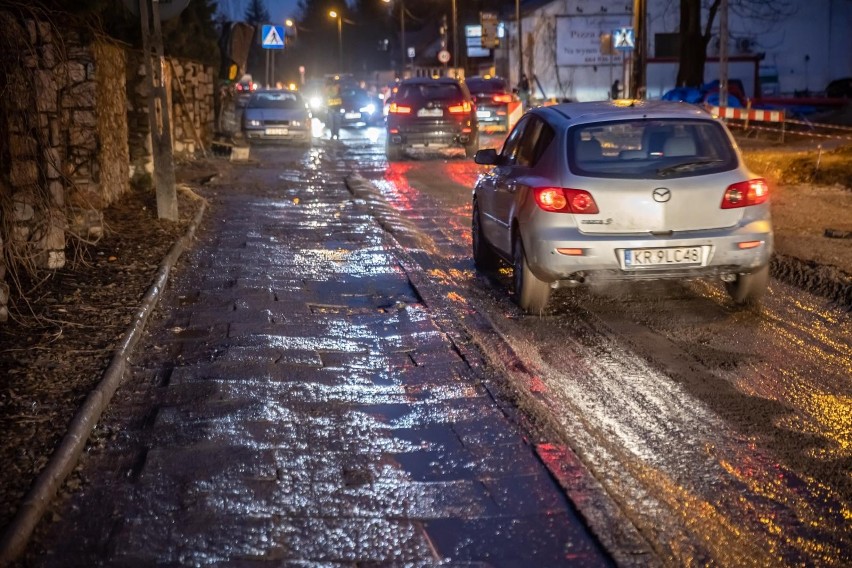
(621, 190)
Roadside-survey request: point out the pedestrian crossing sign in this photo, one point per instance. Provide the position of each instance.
(272, 37)
(623, 39)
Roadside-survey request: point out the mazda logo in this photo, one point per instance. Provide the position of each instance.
(662, 194)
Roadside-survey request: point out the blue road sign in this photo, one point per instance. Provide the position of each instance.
(272, 37)
(623, 39)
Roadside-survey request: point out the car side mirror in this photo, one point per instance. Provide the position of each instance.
(487, 157)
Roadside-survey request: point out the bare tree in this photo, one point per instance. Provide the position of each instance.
(694, 39)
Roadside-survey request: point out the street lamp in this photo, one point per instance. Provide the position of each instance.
(337, 15)
(401, 32)
(292, 25)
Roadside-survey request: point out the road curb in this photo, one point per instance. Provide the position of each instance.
(65, 457)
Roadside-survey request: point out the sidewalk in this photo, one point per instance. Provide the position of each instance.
(294, 400)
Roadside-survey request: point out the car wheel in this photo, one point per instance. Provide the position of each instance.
(471, 148)
(393, 152)
(531, 293)
(484, 256)
(748, 289)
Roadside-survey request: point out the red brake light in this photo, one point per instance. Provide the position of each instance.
(502, 98)
(459, 108)
(399, 109)
(565, 200)
(745, 193)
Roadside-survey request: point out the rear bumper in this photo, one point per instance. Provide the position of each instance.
(300, 135)
(603, 256)
(438, 136)
(492, 116)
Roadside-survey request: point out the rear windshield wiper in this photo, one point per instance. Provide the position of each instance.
(687, 166)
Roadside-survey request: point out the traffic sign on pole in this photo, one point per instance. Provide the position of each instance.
(272, 37)
(623, 39)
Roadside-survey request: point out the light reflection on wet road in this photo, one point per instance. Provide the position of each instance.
(294, 401)
(725, 435)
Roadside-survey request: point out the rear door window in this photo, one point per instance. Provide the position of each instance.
(536, 138)
(430, 92)
(509, 153)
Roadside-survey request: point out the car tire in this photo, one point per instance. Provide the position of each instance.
(748, 289)
(471, 148)
(530, 293)
(484, 257)
(394, 152)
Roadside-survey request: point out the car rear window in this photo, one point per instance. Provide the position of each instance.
(430, 92)
(276, 100)
(487, 86)
(655, 149)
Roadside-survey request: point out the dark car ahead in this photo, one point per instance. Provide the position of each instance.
(495, 102)
(358, 107)
(431, 112)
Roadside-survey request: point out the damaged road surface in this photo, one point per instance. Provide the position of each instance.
(295, 400)
(724, 434)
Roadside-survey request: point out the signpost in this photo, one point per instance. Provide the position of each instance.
(271, 39)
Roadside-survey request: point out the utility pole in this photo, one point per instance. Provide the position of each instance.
(640, 56)
(723, 54)
(520, 41)
(455, 40)
(158, 111)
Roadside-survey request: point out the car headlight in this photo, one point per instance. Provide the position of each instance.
(253, 122)
(296, 123)
(316, 103)
(369, 109)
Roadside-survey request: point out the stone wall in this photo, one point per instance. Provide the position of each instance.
(74, 131)
(190, 88)
(57, 170)
(64, 157)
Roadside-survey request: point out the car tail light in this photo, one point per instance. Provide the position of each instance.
(502, 98)
(565, 200)
(459, 108)
(745, 193)
(399, 109)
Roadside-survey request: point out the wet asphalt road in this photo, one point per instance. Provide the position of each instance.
(295, 401)
(724, 435)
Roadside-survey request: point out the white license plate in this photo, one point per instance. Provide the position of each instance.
(431, 112)
(277, 131)
(349, 115)
(639, 258)
(483, 114)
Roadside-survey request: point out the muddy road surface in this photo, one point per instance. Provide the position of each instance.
(723, 434)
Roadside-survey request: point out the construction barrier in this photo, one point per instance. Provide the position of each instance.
(516, 111)
(747, 115)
